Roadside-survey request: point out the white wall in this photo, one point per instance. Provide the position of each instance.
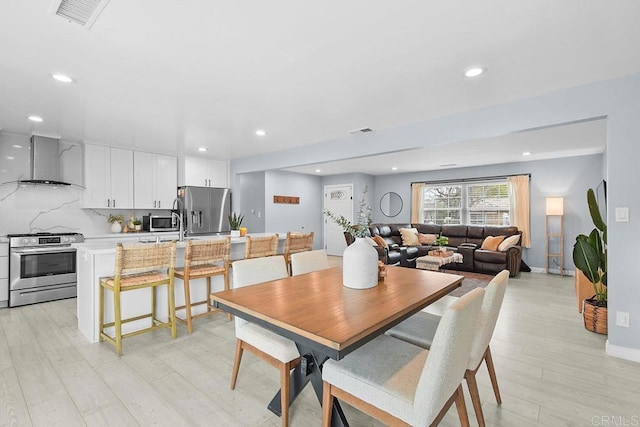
(304, 217)
(248, 200)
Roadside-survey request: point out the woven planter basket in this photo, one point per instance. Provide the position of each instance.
(595, 317)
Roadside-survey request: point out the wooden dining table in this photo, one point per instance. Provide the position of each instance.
(328, 320)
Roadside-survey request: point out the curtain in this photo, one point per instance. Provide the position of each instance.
(519, 206)
(416, 202)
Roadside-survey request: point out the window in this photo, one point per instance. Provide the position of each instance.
(442, 204)
(482, 203)
(488, 203)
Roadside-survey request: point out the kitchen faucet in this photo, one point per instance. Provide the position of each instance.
(179, 216)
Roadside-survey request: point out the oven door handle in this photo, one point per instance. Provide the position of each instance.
(43, 250)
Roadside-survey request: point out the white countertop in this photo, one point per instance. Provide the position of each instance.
(108, 244)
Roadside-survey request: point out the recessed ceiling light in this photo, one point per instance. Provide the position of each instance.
(526, 153)
(261, 132)
(10, 157)
(394, 168)
(203, 149)
(35, 119)
(62, 78)
(318, 170)
(16, 146)
(474, 72)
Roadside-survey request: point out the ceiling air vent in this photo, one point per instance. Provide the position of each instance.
(83, 12)
(363, 130)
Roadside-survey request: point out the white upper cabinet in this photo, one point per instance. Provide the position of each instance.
(155, 179)
(204, 172)
(108, 177)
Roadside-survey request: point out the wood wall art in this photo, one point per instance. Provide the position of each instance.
(287, 200)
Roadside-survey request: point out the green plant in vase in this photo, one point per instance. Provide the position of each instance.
(590, 257)
(235, 221)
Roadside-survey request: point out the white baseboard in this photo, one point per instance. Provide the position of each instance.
(626, 353)
(552, 271)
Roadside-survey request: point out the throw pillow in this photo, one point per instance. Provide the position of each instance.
(509, 242)
(380, 241)
(409, 236)
(427, 239)
(491, 243)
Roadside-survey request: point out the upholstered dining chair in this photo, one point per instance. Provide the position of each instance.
(271, 347)
(420, 330)
(256, 247)
(306, 262)
(296, 243)
(138, 267)
(403, 384)
(202, 259)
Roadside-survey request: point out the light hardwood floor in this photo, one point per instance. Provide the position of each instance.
(551, 371)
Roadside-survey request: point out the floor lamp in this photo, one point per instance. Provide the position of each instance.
(555, 207)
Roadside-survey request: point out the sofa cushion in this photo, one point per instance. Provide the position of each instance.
(489, 257)
(491, 243)
(428, 228)
(457, 234)
(409, 236)
(427, 239)
(509, 242)
(476, 234)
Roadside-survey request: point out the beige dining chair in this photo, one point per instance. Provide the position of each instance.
(420, 330)
(138, 267)
(296, 243)
(202, 259)
(276, 350)
(402, 384)
(256, 247)
(306, 262)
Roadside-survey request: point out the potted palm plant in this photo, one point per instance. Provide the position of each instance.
(590, 257)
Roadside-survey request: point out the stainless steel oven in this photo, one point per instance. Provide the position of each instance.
(42, 267)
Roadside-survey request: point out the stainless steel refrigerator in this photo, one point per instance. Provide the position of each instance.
(205, 210)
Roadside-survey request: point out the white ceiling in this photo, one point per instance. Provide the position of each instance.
(172, 76)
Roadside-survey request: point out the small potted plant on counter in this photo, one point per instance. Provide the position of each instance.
(137, 224)
(235, 221)
(116, 222)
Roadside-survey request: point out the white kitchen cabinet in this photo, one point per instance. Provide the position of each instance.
(205, 172)
(108, 177)
(155, 180)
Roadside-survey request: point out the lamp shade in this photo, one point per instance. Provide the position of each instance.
(555, 205)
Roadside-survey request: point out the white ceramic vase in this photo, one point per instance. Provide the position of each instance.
(116, 227)
(235, 233)
(360, 265)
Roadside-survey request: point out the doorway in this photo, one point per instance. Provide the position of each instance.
(338, 199)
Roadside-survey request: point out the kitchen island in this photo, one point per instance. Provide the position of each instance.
(96, 258)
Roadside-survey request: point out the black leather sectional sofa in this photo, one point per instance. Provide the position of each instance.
(465, 239)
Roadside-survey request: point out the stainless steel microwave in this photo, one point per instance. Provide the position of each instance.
(159, 223)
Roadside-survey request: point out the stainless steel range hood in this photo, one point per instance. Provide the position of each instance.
(45, 162)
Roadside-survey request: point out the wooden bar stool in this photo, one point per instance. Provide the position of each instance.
(139, 267)
(295, 243)
(203, 259)
(257, 247)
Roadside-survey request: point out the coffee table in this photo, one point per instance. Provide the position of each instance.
(433, 263)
